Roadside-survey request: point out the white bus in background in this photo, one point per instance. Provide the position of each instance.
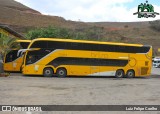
(156, 62)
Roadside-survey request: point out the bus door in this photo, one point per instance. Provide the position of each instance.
(94, 64)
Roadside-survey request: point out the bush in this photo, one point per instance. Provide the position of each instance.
(126, 26)
(5, 43)
(49, 32)
(92, 33)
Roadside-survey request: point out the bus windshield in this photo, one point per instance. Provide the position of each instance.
(19, 45)
(12, 61)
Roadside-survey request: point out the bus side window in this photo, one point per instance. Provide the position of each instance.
(78, 46)
(40, 44)
(91, 47)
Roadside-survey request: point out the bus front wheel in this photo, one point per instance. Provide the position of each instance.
(61, 72)
(119, 74)
(48, 72)
(130, 74)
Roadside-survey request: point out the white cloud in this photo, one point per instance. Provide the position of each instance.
(88, 10)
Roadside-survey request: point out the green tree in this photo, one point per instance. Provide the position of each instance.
(5, 42)
(90, 33)
(49, 32)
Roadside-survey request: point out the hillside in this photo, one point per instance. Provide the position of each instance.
(11, 4)
(22, 18)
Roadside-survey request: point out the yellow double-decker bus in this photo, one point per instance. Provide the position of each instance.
(66, 57)
(12, 60)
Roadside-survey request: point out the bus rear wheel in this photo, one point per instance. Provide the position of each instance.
(130, 74)
(119, 74)
(61, 72)
(48, 72)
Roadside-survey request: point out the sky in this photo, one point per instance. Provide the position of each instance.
(92, 10)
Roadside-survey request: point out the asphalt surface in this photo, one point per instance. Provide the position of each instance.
(36, 90)
(155, 71)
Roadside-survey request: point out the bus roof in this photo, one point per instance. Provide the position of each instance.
(85, 41)
(23, 43)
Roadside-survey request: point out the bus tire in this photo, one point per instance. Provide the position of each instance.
(61, 72)
(130, 74)
(48, 72)
(119, 73)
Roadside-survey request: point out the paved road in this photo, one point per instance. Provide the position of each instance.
(26, 90)
(156, 71)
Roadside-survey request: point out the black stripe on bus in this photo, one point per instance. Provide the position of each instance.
(87, 62)
(90, 47)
